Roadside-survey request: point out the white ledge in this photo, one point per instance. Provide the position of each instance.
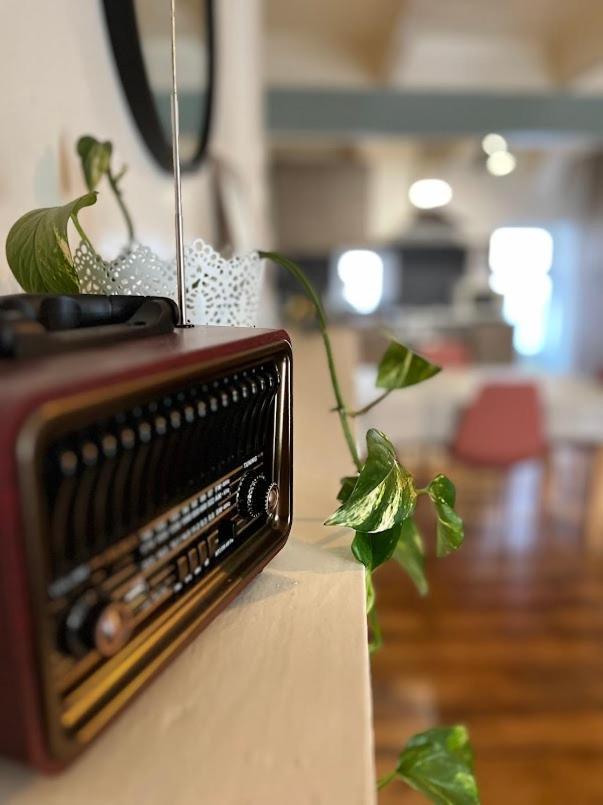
(271, 704)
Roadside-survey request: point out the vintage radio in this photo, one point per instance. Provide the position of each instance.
(142, 484)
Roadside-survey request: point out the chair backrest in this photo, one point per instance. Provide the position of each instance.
(446, 352)
(503, 425)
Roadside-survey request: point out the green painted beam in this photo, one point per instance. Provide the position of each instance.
(391, 112)
(190, 105)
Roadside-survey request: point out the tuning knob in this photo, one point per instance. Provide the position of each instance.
(256, 495)
(96, 623)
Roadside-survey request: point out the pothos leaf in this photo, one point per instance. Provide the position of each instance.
(384, 494)
(450, 530)
(442, 489)
(373, 550)
(410, 554)
(401, 367)
(37, 248)
(439, 764)
(96, 159)
(347, 486)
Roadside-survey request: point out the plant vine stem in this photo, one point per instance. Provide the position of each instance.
(299, 275)
(376, 640)
(114, 182)
(370, 405)
(385, 780)
(84, 236)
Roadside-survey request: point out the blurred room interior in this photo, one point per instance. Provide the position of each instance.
(436, 166)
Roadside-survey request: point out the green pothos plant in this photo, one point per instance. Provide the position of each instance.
(37, 246)
(377, 501)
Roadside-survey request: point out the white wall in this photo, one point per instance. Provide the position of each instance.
(319, 204)
(59, 81)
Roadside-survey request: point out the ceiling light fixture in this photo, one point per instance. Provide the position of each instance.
(492, 143)
(501, 163)
(428, 194)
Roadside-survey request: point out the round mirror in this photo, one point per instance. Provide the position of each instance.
(140, 34)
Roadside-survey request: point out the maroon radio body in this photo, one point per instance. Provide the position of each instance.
(142, 486)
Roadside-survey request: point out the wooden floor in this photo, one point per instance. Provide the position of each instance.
(509, 642)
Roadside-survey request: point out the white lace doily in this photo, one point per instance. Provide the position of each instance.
(219, 291)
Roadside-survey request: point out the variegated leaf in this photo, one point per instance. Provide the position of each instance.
(410, 554)
(38, 252)
(400, 367)
(384, 494)
(347, 487)
(450, 529)
(439, 764)
(96, 159)
(373, 550)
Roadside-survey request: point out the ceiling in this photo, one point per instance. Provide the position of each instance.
(534, 18)
(566, 36)
(420, 49)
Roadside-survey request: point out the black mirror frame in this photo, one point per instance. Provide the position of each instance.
(122, 27)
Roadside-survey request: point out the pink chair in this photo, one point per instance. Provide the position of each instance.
(446, 353)
(503, 425)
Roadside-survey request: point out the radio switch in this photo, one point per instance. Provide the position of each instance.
(203, 552)
(212, 544)
(193, 560)
(182, 566)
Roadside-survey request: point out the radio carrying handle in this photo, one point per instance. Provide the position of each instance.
(35, 325)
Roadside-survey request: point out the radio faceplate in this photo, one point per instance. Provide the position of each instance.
(147, 506)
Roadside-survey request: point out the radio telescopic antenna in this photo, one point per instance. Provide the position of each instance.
(180, 267)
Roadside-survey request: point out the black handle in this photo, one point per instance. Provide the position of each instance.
(34, 325)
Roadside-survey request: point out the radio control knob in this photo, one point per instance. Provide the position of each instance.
(271, 499)
(256, 495)
(112, 628)
(96, 623)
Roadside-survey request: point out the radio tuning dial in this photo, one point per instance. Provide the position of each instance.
(112, 628)
(96, 623)
(256, 495)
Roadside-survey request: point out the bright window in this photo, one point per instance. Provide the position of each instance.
(520, 260)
